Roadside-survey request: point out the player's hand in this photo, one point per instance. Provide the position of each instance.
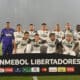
(14, 51)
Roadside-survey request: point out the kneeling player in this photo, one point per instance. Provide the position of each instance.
(52, 43)
(68, 44)
(37, 43)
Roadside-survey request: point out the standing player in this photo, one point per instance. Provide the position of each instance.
(43, 33)
(32, 31)
(77, 39)
(68, 28)
(23, 45)
(18, 34)
(77, 33)
(7, 39)
(59, 34)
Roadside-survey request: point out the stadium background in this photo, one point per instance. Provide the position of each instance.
(39, 11)
(36, 12)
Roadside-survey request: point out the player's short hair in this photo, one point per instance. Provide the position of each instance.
(43, 24)
(31, 24)
(7, 22)
(36, 34)
(58, 24)
(68, 34)
(18, 24)
(26, 32)
(51, 34)
(78, 28)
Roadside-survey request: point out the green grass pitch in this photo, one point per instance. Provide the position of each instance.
(72, 77)
(40, 78)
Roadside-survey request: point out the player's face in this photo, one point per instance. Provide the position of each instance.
(68, 38)
(26, 36)
(18, 28)
(52, 37)
(68, 26)
(7, 25)
(78, 28)
(31, 28)
(36, 38)
(57, 27)
(44, 27)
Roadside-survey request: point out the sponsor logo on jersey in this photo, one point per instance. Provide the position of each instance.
(8, 35)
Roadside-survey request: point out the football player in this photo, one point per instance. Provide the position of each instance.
(32, 31)
(18, 34)
(23, 45)
(77, 39)
(77, 32)
(7, 39)
(59, 33)
(37, 43)
(68, 28)
(68, 44)
(52, 43)
(44, 33)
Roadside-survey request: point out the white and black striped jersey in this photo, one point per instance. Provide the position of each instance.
(31, 34)
(18, 36)
(44, 35)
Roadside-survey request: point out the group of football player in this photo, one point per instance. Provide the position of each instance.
(59, 41)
